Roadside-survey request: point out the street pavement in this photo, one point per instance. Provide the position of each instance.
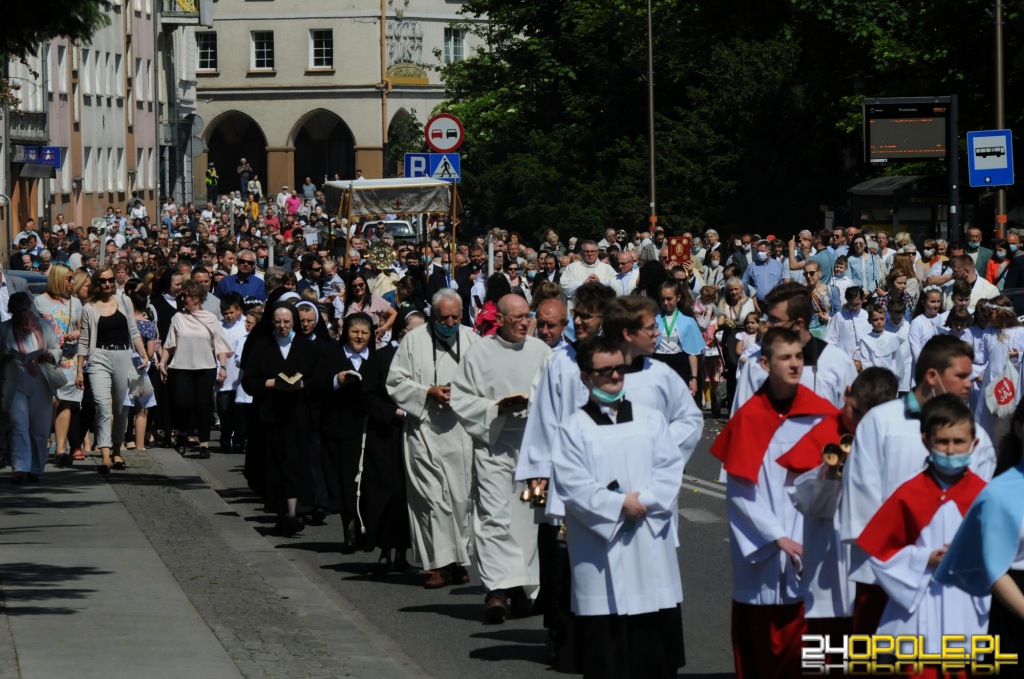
(171, 569)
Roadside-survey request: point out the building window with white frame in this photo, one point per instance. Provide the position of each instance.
(321, 46)
(206, 45)
(263, 50)
(454, 45)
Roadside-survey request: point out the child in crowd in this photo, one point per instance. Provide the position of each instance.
(959, 297)
(680, 342)
(234, 329)
(707, 312)
(907, 538)
(851, 324)
(896, 322)
(840, 278)
(747, 341)
(924, 325)
(1001, 345)
(882, 348)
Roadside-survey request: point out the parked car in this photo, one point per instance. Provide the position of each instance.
(36, 281)
(397, 229)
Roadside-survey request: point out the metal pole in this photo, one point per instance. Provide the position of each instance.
(953, 218)
(650, 111)
(1000, 114)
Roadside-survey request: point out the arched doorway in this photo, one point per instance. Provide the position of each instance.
(234, 136)
(405, 135)
(324, 146)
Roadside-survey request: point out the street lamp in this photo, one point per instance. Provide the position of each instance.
(650, 112)
(1000, 113)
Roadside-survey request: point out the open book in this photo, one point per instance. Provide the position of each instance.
(352, 373)
(289, 380)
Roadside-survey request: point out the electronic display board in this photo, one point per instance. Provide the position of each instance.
(912, 128)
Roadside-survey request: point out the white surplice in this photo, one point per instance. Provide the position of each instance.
(917, 604)
(885, 350)
(503, 529)
(922, 329)
(846, 329)
(827, 375)
(620, 567)
(574, 275)
(887, 451)
(438, 451)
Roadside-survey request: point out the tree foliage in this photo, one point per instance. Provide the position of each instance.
(757, 103)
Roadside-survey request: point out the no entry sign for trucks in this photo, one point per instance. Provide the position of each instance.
(444, 133)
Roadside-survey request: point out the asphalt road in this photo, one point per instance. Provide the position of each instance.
(442, 630)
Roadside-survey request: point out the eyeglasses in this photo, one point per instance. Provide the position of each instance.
(250, 262)
(518, 318)
(609, 370)
(584, 317)
(317, 268)
(512, 269)
(358, 286)
(650, 329)
(104, 281)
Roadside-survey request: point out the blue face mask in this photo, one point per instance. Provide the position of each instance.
(949, 463)
(446, 331)
(606, 398)
(1013, 247)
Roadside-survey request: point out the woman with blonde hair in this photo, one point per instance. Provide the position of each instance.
(903, 265)
(109, 335)
(58, 306)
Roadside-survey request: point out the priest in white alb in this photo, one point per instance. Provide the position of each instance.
(489, 396)
(438, 451)
(588, 269)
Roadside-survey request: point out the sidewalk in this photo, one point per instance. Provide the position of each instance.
(148, 572)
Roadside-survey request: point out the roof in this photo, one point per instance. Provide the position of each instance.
(889, 186)
(393, 183)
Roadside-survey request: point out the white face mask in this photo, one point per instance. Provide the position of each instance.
(714, 263)
(762, 256)
(928, 253)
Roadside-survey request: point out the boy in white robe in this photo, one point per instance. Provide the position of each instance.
(828, 371)
(765, 528)
(896, 323)
(827, 593)
(881, 348)
(490, 401)
(888, 451)
(850, 324)
(908, 537)
(619, 472)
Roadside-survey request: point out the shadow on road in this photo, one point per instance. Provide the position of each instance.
(37, 582)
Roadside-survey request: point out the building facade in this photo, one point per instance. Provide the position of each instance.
(312, 89)
(87, 137)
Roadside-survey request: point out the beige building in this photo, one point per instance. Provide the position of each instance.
(311, 89)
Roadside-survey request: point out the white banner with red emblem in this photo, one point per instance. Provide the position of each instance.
(371, 197)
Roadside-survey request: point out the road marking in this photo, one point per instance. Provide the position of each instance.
(701, 486)
(694, 515)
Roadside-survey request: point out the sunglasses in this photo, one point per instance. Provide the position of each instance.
(607, 371)
(104, 281)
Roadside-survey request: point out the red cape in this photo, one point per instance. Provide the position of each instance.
(806, 454)
(904, 515)
(743, 442)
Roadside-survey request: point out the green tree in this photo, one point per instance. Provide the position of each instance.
(405, 135)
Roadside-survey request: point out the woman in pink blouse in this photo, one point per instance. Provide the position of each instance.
(359, 300)
(194, 361)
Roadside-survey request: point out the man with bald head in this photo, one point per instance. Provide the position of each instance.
(551, 322)
(490, 402)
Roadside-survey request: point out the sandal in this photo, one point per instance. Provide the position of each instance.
(77, 454)
(129, 446)
(118, 463)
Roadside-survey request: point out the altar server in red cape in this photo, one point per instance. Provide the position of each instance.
(764, 527)
(907, 538)
(828, 593)
(888, 451)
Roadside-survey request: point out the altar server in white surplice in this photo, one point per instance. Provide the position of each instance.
(883, 349)
(490, 397)
(619, 471)
(438, 451)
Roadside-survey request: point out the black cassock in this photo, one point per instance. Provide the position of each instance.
(277, 459)
(342, 418)
(382, 500)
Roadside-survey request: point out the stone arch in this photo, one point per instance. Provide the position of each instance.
(230, 137)
(405, 135)
(324, 146)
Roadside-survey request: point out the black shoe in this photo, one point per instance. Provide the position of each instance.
(63, 460)
(401, 564)
(496, 608)
(204, 453)
(317, 517)
(383, 564)
(181, 449)
(119, 464)
(33, 478)
(349, 545)
(103, 468)
(290, 525)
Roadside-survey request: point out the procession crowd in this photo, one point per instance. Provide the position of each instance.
(530, 407)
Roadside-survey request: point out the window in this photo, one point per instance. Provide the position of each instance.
(118, 75)
(454, 45)
(263, 50)
(206, 44)
(88, 169)
(86, 73)
(321, 43)
(62, 69)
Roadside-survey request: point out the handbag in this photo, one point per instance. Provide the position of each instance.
(1001, 394)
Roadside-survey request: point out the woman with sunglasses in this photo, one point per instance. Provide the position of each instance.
(197, 350)
(517, 283)
(109, 334)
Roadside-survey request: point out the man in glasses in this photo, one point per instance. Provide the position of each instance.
(556, 394)
(827, 370)
(618, 473)
(245, 282)
(490, 401)
(312, 275)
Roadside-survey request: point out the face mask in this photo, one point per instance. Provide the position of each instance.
(279, 260)
(262, 262)
(1000, 256)
(949, 463)
(762, 256)
(445, 331)
(1013, 247)
(738, 243)
(605, 397)
(746, 248)
(531, 274)
(839, 275)
(714, 263)
(973, 246)
(928, 254)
